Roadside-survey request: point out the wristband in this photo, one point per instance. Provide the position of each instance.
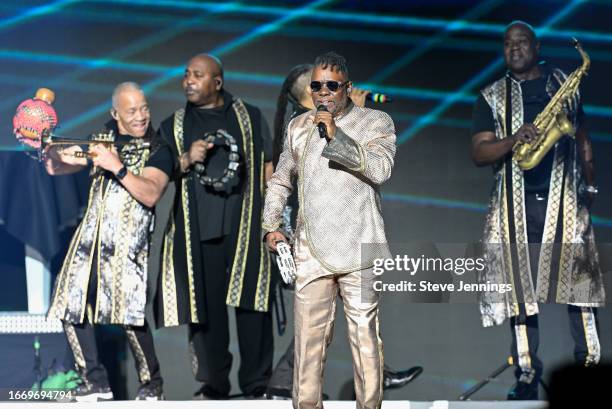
(121, 173)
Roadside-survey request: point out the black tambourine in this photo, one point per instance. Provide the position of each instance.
(223, 183)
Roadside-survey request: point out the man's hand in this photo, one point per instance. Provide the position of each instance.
(65, 155)
(61, 161)
(527, 133)
(272, 238)
(197, 151)
(358, 96)
(107, 159)
(328, 120)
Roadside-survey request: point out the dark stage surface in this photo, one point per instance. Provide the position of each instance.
(431, 56)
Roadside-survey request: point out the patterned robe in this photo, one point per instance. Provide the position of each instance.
(180, 287)
(568, 267)
(116, 228)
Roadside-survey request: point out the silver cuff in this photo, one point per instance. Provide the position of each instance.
(345, 151)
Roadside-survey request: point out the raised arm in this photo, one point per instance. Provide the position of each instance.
(374, 158)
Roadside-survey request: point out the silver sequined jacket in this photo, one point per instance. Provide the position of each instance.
(338, 186)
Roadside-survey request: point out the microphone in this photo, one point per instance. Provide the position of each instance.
(378, 98)
(321, 125)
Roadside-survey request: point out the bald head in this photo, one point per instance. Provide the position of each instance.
(210, 61)
(521, 50)
(124, 87)
(130, 109)
(522, 26)
(203, 81)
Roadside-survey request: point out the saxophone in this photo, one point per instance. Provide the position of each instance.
(552, 123)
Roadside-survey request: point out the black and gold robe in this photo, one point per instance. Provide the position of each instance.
(568, 266)
(114, 234)
(180, 292)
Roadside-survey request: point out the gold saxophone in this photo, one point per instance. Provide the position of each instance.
(552, 123)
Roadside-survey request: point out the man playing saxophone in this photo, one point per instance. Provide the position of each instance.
(538, 233)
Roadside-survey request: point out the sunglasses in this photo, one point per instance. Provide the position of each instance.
(333, 86)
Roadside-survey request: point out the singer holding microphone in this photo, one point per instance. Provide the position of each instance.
(341, 153)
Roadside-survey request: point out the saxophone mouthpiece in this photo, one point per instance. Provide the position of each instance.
(575, 42)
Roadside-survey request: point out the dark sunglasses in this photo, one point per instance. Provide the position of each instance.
(333, 86)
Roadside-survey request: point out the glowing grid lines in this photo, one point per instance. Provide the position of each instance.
(132, 47)
(34, 12)
(431, 94)
(412, 93)
(432, 42)
(219, 51)
(367, 34)
(432, 115)
(374, 19)
(251, 77)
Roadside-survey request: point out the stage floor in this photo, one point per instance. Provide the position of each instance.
(272, 404)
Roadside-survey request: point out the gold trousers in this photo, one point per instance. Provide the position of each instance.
(315, 311)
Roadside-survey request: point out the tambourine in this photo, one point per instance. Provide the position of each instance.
(223, 183)
(285, 262)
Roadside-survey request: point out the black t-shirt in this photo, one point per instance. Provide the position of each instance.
(535, 99)
(217, 210)
(161, 157)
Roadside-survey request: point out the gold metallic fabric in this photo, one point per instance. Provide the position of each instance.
(591, 336)
(579, 278)
(144, 374)
(315, 310)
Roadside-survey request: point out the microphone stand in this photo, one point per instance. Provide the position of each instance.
(509, 362)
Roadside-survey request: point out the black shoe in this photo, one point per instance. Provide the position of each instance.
(524, 391)
(150, 392)
(87, 392)
(259, 392)
(396, 379)
(206, 392)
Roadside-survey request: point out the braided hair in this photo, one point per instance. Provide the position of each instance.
(291, 93)
(332, 61)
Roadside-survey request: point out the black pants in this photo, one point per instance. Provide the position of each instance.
(580, 334)
(82, 341)
(282, 377)
(210, 341)
(582, 320)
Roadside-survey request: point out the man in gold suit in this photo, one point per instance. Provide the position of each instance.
(341, 154)
(538, 233)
